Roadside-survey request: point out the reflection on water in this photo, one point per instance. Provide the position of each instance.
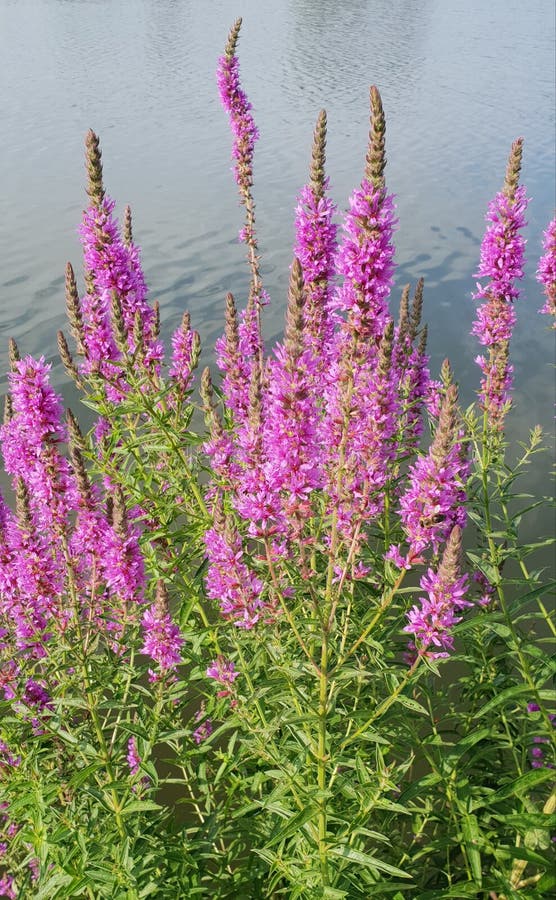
(458, 87)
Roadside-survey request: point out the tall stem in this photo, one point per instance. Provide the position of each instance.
(322, 760)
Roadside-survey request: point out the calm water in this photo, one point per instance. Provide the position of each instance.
(460, 79)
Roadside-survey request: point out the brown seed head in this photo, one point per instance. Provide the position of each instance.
(162, 600)
(206, 391)
(446, 431)
(76, 445)
(403, 319)
(119, 520)
(318, 156)
(513, 169)
(450, 567)
(155, 327)
(73, 308)
(423, 341)
(110, 510)
(218, 515)
(185, 323)
(293, 337)
(231, 43)
(93, 164)
(67, 359)
(127, 227)
(417, 308)
(376, 154)
(255, 396)
(231, 329)
(13, 354)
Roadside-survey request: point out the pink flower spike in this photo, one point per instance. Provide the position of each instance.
(502, 255)
(222, 670)
(163, 641)
(431, 622)
(546, 272)
(133, 758)
(235, 102)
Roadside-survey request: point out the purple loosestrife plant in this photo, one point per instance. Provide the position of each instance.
(205, 682)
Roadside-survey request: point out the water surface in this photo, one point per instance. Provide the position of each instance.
(459, 81)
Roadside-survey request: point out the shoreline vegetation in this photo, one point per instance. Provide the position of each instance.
(300, 651)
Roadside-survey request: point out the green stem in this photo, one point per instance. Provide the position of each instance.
(322, 760)
(386, 601)
(385, 705)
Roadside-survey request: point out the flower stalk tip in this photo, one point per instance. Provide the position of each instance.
(318, 157)
(93, 162)
(376, 155)
(13, 354)
(73, 308)
(127, 227)
(67, 359)
(231, 44)
(513, 169)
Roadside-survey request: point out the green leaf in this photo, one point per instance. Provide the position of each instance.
(330, 893)
(293, 824)
(343, 851)
(50, 888)
(410, 703)
(524, 821)
(468, 889)
(139, 806)
(504, 696)
(521, 785)
(547, 884)
(471, 836)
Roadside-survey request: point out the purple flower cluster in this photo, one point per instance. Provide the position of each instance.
(162, 639)
(115, 274)
(434, 502)
(224, 672)
(291, 464)
(204, 729)
(133, 758)
(30, 441)
(63, 560)
(356, 434)
(431, 622)
(229, 580)
(238, 107)
(185, 347)
(502, 252)
(365, 259)
(546, 272)
(315, 248)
